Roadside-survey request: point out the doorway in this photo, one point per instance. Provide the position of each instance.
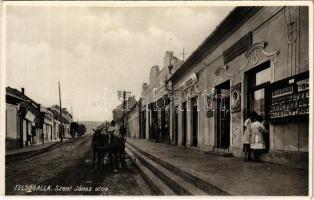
(194, 122)
(223, 115)
(184, 124)
(176, 126)
(143, 124)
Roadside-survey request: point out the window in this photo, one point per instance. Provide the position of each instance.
(258, 79)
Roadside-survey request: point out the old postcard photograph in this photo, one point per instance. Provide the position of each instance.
(189, 98)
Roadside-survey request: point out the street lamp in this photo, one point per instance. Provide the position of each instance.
(167, 81)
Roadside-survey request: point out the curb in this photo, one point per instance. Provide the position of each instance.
(197, 181)
(27, 154)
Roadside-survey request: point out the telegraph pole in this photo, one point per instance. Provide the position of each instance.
(123, 96)
(60, 113)
(123, 114)
(183, 53)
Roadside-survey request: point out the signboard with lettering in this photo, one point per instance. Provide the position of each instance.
(30, 116)
(192, 79)
(238, 48)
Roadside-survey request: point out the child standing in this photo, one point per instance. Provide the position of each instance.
(247, 136)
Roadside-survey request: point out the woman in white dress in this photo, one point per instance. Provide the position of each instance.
(257, 141)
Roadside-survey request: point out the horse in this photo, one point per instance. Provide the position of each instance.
(113, 147)
(98, 142)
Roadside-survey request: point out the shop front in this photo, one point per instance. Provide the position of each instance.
(259, 64)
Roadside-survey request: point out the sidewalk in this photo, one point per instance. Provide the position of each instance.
(230, 174)
(31, 150)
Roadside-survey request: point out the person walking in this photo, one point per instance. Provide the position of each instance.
(257, 139)
(247, 136)
(156, 131)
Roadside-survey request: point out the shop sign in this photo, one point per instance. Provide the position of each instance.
(282, 91)
(30, 116)
(238, 48)
(192, 79)
(303, 85)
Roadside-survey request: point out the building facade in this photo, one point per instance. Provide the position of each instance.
(29, 123)
(23, 119)
(67, 119)
(257, 59)
(154, 101)
(133, 123)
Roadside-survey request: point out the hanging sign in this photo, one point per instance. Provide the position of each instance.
(30, 116)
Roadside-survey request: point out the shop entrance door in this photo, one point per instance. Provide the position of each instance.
(194, 122)
(184, 124)
(143, 124)
(223, 115)
(176, 126)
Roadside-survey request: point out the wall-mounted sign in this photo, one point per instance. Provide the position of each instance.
(236, 98)
(282, 91)
(192, 79)
(238, 48)
(303, 85)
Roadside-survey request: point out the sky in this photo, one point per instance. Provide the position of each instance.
(96, 51)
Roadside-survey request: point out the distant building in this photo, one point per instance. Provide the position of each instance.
(132, 122)
(66, 119)
(117, 113)
(154, 99)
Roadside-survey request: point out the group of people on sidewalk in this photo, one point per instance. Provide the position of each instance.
(253, 136)
(158, 134)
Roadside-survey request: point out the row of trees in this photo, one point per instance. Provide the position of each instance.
(77, 129)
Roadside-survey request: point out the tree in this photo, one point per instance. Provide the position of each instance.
(74, 129)
(81, 129)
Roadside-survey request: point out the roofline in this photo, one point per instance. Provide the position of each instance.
(236, 18)
(26, 97)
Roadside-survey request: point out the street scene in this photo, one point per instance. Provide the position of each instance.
(150, 100)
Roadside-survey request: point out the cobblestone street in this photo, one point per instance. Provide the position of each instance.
(67, 170)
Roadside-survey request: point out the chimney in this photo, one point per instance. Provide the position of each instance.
(22, 90)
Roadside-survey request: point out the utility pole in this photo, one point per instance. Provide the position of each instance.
(61, 131)
(123, 114)
(123, 95)
(183, 55)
